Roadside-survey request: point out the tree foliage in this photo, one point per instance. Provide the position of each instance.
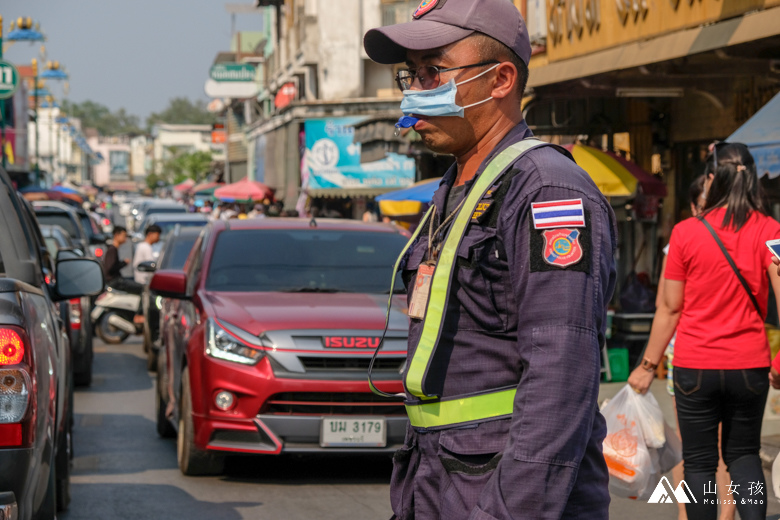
(100, 117)
(181, 111)
(184, 165)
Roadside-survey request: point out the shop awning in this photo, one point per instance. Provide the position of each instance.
(614, 175)
(342, 193)
(761, 133)
(750, 27)
(408, 201)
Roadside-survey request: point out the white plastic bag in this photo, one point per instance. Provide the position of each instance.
(625, 451)
(663, 459)
(650, 418)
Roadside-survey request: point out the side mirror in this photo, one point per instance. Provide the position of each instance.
(170, 284)
(147, 267)
(78, 277)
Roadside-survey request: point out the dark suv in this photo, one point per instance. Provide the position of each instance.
(36, 386)
(76, 221)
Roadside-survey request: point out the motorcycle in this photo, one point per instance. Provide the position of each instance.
(113, 315)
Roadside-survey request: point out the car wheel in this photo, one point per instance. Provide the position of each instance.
(108, 332)
(147, 336)
(164, 427)
(48, 508)
(151, 359)
(62, 468)
(192, 460)
(84, 376)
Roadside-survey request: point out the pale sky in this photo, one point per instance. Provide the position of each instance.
(135, 54)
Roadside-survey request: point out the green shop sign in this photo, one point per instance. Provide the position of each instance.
(232, 72)
(9, 79)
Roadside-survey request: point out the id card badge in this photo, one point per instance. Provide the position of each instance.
(422, 288)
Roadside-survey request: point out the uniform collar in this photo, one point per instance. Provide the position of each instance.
(516, 134)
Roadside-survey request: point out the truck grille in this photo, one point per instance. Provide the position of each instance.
(330, 403)
(313, 364)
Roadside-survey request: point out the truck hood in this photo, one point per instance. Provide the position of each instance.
(260, 312)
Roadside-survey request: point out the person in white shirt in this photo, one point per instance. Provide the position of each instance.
(144, 253)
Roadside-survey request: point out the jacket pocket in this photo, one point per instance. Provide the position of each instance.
(469, 457)
(483, 282)
(405, 463)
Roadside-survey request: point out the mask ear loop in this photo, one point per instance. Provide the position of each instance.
(478, 75)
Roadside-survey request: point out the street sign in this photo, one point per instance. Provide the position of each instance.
(232, 72)
(9, 79)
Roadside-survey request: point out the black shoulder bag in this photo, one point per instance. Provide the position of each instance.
(732, 264)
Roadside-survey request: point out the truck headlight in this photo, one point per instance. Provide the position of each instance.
(221, 344)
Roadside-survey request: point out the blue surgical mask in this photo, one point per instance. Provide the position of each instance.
(439, 101)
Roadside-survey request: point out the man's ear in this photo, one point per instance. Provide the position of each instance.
(506, 79)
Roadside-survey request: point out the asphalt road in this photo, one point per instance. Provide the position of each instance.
(122, 469)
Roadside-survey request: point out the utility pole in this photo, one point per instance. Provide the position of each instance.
(35, 98)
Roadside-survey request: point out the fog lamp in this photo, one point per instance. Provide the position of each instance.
(225, 400)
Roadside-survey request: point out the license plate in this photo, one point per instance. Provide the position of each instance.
(367, 432)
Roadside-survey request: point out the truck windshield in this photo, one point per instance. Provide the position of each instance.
(298, 260)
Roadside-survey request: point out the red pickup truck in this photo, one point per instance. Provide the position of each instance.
(268, 345)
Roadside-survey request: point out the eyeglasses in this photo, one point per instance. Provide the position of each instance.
(428, 75)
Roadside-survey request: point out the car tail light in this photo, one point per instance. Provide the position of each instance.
(14, 394)
(99, 252)
(75, 313)
(17, 424)
(11, 347)
(106, 222)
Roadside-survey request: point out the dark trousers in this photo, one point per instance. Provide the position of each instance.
(735, 398)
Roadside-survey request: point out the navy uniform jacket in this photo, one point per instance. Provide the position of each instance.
(514, 320)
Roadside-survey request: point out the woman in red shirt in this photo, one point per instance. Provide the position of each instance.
(721, 356)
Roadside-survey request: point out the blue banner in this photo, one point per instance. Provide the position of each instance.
(333, 160)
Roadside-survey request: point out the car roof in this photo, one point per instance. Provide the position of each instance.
(304, 223)
(176, 217)
(54, 205)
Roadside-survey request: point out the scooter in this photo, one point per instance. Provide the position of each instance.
(113, 316)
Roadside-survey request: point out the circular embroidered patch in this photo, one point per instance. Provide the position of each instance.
(424, 7)
(562, 247)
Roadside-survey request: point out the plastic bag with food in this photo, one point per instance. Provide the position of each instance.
(625, 451)
(650, 418)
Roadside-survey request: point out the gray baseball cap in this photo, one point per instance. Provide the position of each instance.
(436, 23)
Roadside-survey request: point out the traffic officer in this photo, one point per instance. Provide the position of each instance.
(508, 276)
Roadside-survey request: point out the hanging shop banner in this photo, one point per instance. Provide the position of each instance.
(333, 159)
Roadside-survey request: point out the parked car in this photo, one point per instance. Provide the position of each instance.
(76, 222)
(75, 312)
(267, 350)
(174, 253)
(156, 207)
(35, 364)
(168, 221)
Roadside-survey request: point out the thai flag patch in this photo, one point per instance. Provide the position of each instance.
(558, 213)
